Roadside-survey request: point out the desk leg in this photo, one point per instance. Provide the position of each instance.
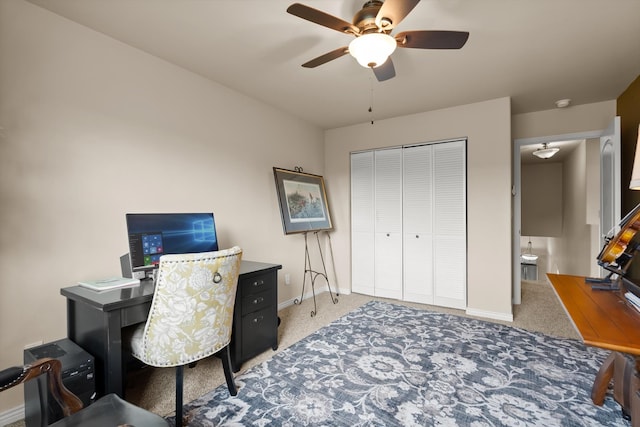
(603, 378)
(114, 372)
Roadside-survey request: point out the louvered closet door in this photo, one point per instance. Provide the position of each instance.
(388, 223)
(417, 224)
(362, 223)
(450, 229)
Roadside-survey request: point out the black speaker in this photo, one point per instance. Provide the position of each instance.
(78, 375)
(125, 265)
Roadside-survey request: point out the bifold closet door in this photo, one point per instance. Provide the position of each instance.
(417, 223)
(450, 225)
(362, 223)
(408, 223)
(388, 223)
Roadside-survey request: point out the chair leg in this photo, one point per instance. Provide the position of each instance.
(226, 365)
(179, 387)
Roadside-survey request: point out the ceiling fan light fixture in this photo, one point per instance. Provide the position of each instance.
(372, 50)
(545, 152)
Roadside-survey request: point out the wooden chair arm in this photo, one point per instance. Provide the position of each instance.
(68, 401)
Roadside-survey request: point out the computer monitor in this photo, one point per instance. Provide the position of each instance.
(153, 235)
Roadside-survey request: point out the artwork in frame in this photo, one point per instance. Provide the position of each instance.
(303, 201)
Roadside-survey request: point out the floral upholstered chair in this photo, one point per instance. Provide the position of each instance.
(191, 314)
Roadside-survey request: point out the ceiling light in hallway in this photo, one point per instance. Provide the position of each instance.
(545, 152)
(563, 103)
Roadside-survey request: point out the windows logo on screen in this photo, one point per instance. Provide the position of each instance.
(203, 231)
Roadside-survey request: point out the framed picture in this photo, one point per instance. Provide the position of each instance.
(303, 201)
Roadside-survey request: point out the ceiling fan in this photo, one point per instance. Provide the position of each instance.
(372, 26)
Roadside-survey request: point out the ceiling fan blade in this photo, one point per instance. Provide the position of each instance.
(386, 71)
(322, 59)
(321, 18)
(432, 39)
(394, 11)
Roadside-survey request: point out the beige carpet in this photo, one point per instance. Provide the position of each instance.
(154, 388)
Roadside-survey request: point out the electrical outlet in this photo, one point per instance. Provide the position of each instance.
(287, 279)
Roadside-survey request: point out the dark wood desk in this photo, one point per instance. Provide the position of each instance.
(95, 321)
(604, 319)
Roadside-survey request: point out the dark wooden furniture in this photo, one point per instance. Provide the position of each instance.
(11, 377)
(604, 319)
(107, 411)
(96, 321)
(255, 320)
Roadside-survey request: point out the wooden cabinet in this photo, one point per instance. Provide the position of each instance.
(408, 223)
(255, 319)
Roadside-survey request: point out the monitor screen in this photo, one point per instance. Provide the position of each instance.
(153, 235)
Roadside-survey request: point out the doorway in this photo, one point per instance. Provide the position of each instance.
(527, 144)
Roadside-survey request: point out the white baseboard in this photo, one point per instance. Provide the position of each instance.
(490, 314)
(12, 415)
(319, 291)
(307, 295)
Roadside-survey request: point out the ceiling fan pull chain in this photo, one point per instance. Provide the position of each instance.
(371, 100)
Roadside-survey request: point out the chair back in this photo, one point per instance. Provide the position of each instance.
(191, 313)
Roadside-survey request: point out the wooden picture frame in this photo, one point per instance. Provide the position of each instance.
(303, 201)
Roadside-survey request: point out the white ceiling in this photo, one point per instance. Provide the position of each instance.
(535, 51)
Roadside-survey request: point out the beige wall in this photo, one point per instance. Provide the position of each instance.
(487, 127)
(573, 250)
(92, 129)
(576, 119)
(541, 189)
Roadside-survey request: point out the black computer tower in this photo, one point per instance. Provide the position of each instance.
(78, 375)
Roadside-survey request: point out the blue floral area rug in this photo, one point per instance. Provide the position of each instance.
(390, 365)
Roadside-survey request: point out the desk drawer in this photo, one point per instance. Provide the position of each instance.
(257, 284)
(254, 302)
(259, 332)
(134, 314)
